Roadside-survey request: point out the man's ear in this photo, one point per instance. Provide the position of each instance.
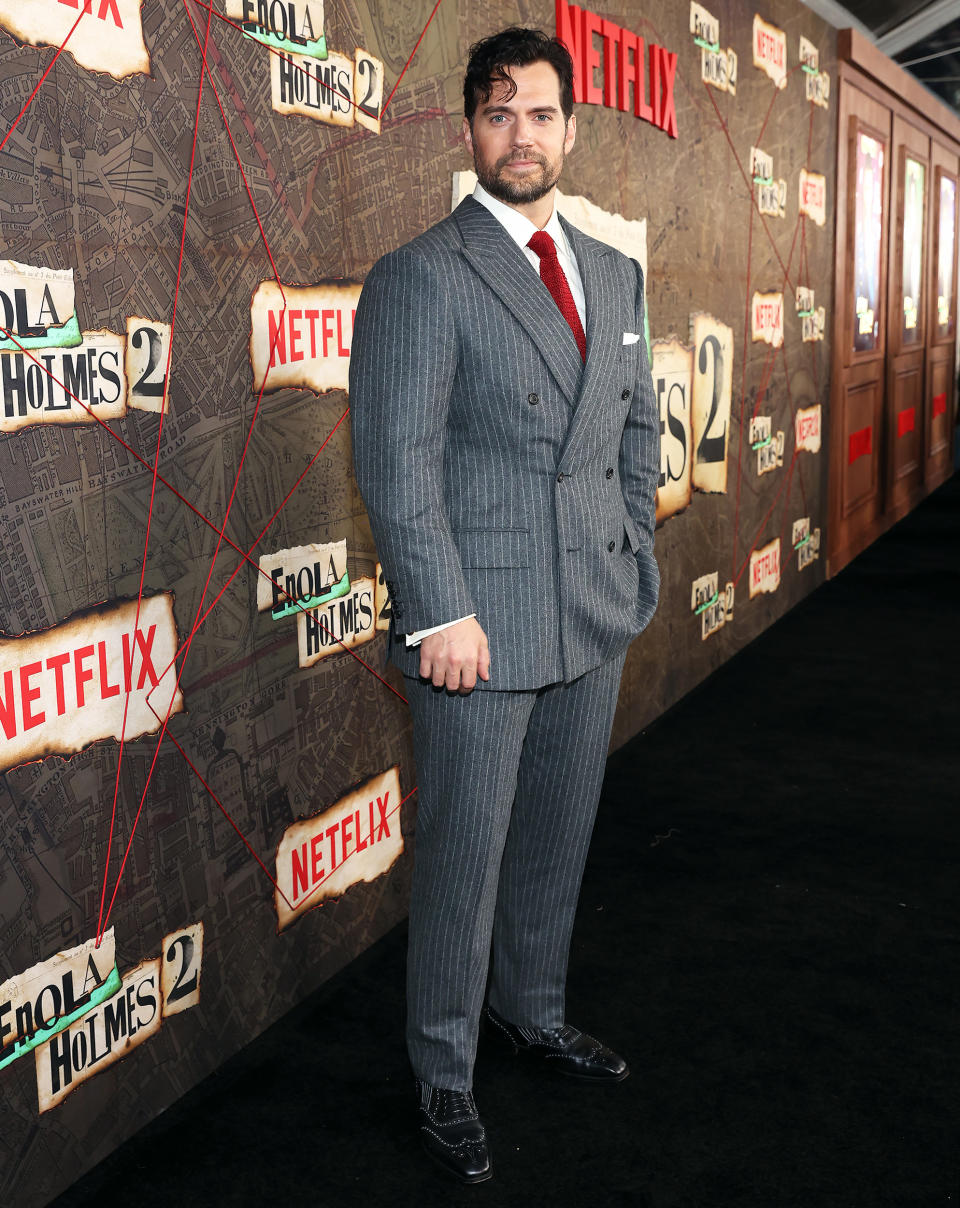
(571, 135)
(467, 136)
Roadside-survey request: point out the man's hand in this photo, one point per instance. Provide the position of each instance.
(454, 657)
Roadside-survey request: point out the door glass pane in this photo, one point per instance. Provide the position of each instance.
(868, 232)
(946, 255)
(914, 175)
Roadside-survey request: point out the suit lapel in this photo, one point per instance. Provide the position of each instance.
(496, 258)
(603, 331)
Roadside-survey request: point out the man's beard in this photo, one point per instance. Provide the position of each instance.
(520, 190)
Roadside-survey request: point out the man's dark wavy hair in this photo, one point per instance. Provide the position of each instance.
(514, 47)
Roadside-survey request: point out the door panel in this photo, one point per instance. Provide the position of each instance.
(906, 427)
(907, 302)
(860, 325)
(940, 392)
(861, 478)
(940, 426)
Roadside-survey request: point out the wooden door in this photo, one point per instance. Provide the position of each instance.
(860, 325)
(940, 394)
(907, 310)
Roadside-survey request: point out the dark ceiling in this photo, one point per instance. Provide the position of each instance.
(880, 16)
(942, 72)
(923, 36)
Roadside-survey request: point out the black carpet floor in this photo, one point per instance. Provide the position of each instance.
(768, 930)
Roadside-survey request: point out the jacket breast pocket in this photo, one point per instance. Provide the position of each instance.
(629, 362)
(493, 549)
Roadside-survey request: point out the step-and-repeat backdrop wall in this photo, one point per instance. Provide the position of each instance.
(207, 796)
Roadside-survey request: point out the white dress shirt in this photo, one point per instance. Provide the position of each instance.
(520, 229)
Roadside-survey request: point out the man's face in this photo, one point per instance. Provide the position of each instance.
(519, 144)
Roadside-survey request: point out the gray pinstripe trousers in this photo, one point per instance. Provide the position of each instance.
(508, 790)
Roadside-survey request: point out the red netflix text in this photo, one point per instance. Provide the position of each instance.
(317, 857)
(628, 65)
(104, 8)
(75, 678)
(299, 334)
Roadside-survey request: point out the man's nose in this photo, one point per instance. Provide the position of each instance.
(522, 133)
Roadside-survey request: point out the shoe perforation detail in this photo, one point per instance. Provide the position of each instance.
(464, 1143)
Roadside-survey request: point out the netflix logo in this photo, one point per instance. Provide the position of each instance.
(765, 569)
(301, 335)
(65, 687)
(357, 839)
(807, 428)
(636, 77)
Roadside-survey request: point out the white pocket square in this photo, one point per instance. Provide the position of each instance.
(631, 337)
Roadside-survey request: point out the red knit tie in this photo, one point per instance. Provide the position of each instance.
(552, 275)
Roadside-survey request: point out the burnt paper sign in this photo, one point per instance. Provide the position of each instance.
(712, 391)
(295, 25)
(106, 1034)
(813, 196)
(770, 50)
(304, 576)
(181, 958)
(108, 34)
(145, 364)
(381, 602)
(338, 90)
(64, 385)
(765, 568)
(344, 623)
(357, 839)
(37, 307)
(807, 427)
(766, 319)
(302, 336)
(672, 380)
(49, 993)
(65, 687)
(805, 542)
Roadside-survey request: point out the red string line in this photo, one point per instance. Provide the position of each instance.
(101, 923)
(410, 59)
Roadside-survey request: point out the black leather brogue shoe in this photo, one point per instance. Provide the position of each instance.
(452, 1134)
(563, 1049)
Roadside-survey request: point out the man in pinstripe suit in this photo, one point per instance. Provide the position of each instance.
(506, 445)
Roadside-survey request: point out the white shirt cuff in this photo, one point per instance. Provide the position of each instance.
(415, 638)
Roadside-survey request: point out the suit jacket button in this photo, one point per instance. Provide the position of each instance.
(609, 471)
(625, 394)
(612, 546)
(561, 477)
(533, 399)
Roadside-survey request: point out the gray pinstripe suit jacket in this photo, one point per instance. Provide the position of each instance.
(501, 475)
